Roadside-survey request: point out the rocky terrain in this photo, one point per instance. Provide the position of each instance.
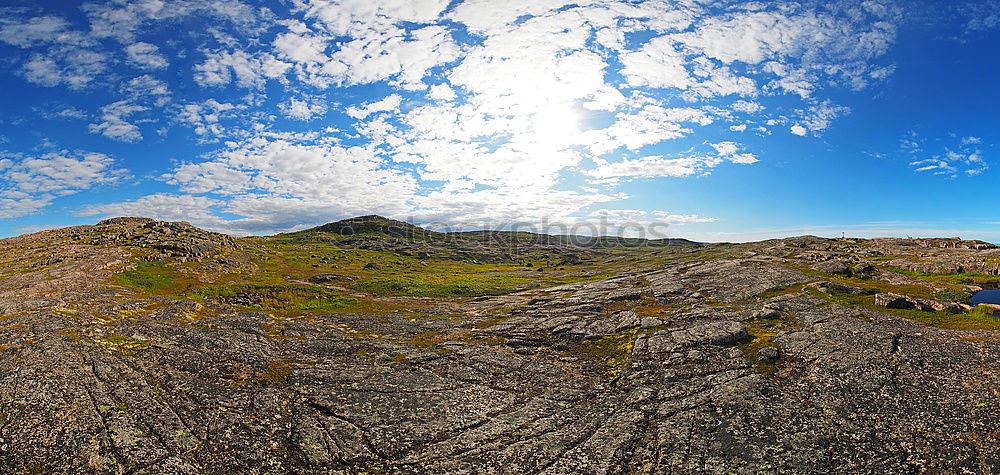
(137, 346)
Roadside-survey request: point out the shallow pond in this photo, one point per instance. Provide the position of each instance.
(986, 296)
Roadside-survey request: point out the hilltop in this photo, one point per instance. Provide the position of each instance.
(374, 346)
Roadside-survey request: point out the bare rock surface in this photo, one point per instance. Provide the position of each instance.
(686, 364)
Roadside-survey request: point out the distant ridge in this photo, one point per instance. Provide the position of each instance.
(374, 224)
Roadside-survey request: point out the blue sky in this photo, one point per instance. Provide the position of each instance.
(713, 120)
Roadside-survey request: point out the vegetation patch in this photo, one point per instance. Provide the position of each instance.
(762, 333)
(123, 344)
(874, 285)
(280, 298)
(781, 290)
(980, 318)
(276, 373)
(156, 278)
(441, 285)
(950, 280)
(614, 350)
(952, 295)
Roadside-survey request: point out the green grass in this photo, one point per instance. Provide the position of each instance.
(976, 319)
(878, 286)
(442, 284)
(952, 295)
(777, 292)
(952, 280)
(156, 278)
(281, 298)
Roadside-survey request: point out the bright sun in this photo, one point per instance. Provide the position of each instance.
(556, 126)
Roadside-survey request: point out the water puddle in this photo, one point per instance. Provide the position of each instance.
(986, 296)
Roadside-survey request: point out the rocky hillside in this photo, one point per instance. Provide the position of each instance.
(138, 346)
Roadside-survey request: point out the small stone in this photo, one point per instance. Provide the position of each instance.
(769, 354)
(767, 314)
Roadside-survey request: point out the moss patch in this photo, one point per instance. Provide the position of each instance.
(613, 350)
(277, 298)
(156, 278)
(444, 284)
(123, 344)
(276, 373)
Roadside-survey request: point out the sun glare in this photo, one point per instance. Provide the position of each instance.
(556, 126)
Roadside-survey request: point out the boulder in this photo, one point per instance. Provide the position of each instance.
(833, 267)
(896, 301)
(864, 270)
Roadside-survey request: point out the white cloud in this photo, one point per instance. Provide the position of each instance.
(442, 92)
(115, 124)
(747, 107)
(249, 70)
(163, 206)
(738, 128)
(205, 117)
(74, 67)
(300, 48)
(965, 157)
(657, 64)
(350, 177)
(818, 117)
(146, 56)
(653, 166)
(29, 184)
(730, 151)
(147, 88)
(822, 43)
(673, 218)
(388, 104)
(36, 30)
(304, 108)
(799, 130)
(124, 19)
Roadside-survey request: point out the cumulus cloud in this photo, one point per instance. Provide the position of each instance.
(73, 67)
(731, 152)
(249, 70)
(287, 180)
(388, 104)
(124, 19)
(205, 117)
(164, 206)
(653, 166)
(462, 110)
(30, 183)
(115, 122)
(303, 108)
(146, 56)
